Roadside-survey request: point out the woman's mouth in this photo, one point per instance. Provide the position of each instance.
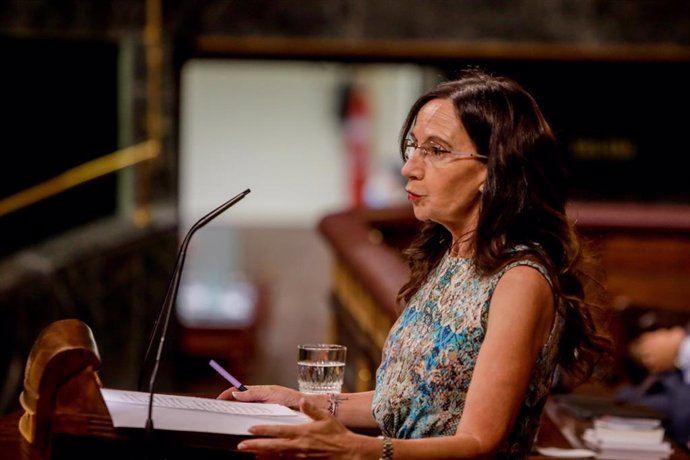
(412, 196)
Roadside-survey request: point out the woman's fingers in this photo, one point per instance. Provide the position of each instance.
(227, 394)
(253, 394)
(257, 393)
(276, 444)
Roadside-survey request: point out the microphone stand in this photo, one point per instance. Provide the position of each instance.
(169, 301)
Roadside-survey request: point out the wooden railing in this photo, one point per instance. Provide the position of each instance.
(644, 249)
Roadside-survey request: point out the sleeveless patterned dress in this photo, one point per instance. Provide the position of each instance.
(431, 351)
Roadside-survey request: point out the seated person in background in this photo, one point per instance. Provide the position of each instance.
(496, 297)
(665, 353)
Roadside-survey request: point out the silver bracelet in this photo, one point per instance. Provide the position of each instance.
(387, 451)
(333, 404)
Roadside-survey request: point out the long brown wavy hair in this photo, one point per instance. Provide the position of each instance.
(522, 206)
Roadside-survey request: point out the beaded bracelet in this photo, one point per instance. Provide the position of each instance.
(333, 404)
(387, 451)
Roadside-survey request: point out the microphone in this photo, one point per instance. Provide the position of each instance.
(167, 307)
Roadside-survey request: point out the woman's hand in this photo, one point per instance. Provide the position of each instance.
(325, 437)
(266, 394)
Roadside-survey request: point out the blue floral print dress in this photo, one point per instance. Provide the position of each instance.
(431, 351)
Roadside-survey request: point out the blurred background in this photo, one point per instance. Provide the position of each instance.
(125, 121)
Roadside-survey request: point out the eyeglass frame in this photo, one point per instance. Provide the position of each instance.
(434, 151)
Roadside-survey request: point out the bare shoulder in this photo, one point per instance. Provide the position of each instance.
(525, 279)
(522, 290)
(523, 306)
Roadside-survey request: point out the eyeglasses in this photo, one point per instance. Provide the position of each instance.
(433, 153)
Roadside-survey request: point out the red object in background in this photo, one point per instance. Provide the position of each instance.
(357, 132)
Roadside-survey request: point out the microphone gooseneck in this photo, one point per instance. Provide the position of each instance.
(167, 307)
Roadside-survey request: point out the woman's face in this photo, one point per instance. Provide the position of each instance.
(444, 190)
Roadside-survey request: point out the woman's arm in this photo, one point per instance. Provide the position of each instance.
(520, 319)
(353, 409)
(521, 315)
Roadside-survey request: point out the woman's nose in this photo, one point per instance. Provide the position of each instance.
(413, 168)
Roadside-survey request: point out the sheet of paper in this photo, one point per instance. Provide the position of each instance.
(557, 452)
(129, 409)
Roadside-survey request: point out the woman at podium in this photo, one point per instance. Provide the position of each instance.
(496, 300)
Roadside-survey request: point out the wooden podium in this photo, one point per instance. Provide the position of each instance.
(61, 387)
(65, 416)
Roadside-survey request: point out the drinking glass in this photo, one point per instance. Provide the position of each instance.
(321, 367)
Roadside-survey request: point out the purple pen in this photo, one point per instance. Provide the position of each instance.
(236, 383)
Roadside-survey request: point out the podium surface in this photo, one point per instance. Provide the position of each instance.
(112, 446)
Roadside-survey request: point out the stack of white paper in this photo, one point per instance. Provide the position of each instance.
(129, 409)
(628, 439)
